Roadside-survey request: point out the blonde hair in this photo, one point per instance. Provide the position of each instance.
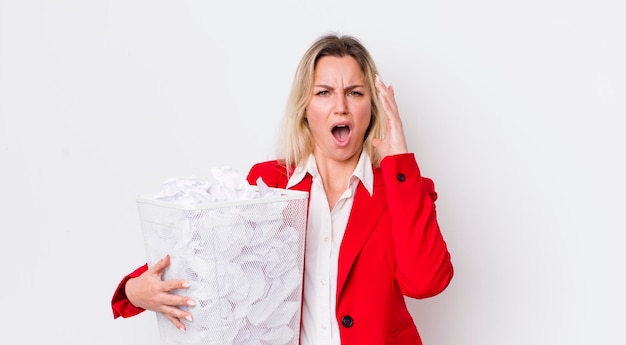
(297, 143)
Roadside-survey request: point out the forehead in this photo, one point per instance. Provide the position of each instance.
(333, 69)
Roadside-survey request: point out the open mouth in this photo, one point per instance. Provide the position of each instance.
(341, 132)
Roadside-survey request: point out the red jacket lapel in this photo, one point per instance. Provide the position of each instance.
(366, 211)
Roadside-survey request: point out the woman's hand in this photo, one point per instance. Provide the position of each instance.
(394, 142)
(150, 292)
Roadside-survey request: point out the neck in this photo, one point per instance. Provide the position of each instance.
(335, 175)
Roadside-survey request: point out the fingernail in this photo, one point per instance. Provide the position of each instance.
(379, 79)
(185, 284)
(191, 303)
(188, 318)
(182, 328)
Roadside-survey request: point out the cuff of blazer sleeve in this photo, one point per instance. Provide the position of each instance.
(403, 168)
(120, 304)
(403, 163)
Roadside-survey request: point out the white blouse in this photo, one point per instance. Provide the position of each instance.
(325, 230)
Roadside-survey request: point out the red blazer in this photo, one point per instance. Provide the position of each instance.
(392, 247)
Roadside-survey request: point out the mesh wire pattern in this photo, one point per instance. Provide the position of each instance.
(244, 262)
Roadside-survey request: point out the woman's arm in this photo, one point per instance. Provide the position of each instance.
(144, 289)
(423, 264)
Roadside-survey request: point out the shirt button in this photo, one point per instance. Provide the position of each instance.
(401, 177)
(347, 321)
(324, 327)
(326, 239)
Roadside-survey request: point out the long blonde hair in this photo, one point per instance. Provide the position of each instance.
(297, 143)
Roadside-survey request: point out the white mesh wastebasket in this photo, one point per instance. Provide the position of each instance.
(244, 261)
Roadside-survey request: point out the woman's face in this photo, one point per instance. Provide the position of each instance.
(339, 109)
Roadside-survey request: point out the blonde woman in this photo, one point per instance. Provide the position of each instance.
(372, 232)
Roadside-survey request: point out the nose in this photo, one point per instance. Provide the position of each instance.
(341, 105)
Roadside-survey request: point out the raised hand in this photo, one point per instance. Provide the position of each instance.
(394, 141)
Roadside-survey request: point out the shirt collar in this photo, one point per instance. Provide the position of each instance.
(363, 172)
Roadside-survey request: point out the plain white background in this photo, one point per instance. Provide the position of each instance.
(515, 109)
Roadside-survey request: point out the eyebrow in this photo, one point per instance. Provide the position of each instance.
(349, 88)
